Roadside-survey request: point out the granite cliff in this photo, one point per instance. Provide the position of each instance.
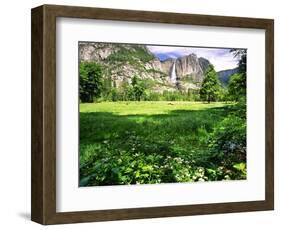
(121, 62)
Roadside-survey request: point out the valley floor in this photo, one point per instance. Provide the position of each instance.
(148, 142)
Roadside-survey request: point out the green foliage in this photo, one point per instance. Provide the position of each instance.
(90, 81)
(179, 96)
(243, 63)
(228, 141)
(242, 55)
(130, 55)
(238, 82)
(237, 86)
(126, 92)
(138, 88)
(229, 137)
(210, 88)
(154, 142)
(141, 92)
(241, 167)
(223, 94)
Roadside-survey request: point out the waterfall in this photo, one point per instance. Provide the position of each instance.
(173, 74)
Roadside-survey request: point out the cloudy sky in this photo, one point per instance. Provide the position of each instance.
(221, 58)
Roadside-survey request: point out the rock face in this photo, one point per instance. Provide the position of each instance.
(95, 51)
(166, 66)
(122, 62)
(204, 63)
(156, 64)
(191, 68)
(188, 65)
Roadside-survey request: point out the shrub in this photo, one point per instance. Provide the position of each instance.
(228, 140)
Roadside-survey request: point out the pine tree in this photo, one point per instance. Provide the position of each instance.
(210, 88)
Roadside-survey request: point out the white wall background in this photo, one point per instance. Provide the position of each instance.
(15, 113)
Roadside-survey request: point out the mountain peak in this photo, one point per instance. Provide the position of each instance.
(192, 55)
(225, 75)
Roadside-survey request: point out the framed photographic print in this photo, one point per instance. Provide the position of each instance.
(139, 114)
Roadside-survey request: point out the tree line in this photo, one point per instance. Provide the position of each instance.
(93, 86)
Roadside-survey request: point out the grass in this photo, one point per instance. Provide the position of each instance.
(148, 107)
(147, 142)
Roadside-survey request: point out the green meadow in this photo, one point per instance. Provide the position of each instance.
(147, 142)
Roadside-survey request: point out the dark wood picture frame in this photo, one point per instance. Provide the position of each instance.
(43, 170)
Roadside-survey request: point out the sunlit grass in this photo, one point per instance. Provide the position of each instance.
(147, 107)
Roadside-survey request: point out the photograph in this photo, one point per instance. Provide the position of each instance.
(153, 114)
(139, 114)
